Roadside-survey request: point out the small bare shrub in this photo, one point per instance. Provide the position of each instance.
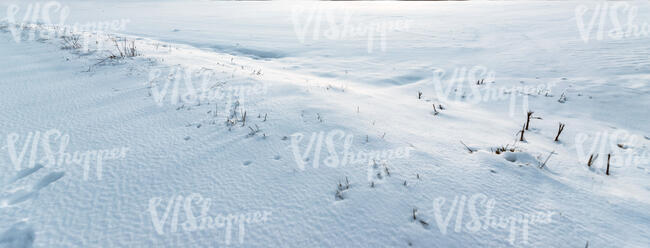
(254, 131)
(559, 131)
(542, 165)
(341, 188)
(503, 149)
(468, 148)
(608, 157)
(529, 115)
(71, 41)
(592, 159)
(126, 50)
(562, 98)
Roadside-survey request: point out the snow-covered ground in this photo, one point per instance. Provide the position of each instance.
(327, 124)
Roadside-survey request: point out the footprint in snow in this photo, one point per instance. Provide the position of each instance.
(21, 195)
(277, 157)
(20, 235)
(25, 172)
(47, 180)
(248, 162)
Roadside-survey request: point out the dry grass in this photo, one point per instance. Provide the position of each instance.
(71, 42)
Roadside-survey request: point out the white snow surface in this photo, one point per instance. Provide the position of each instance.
(328, 85)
